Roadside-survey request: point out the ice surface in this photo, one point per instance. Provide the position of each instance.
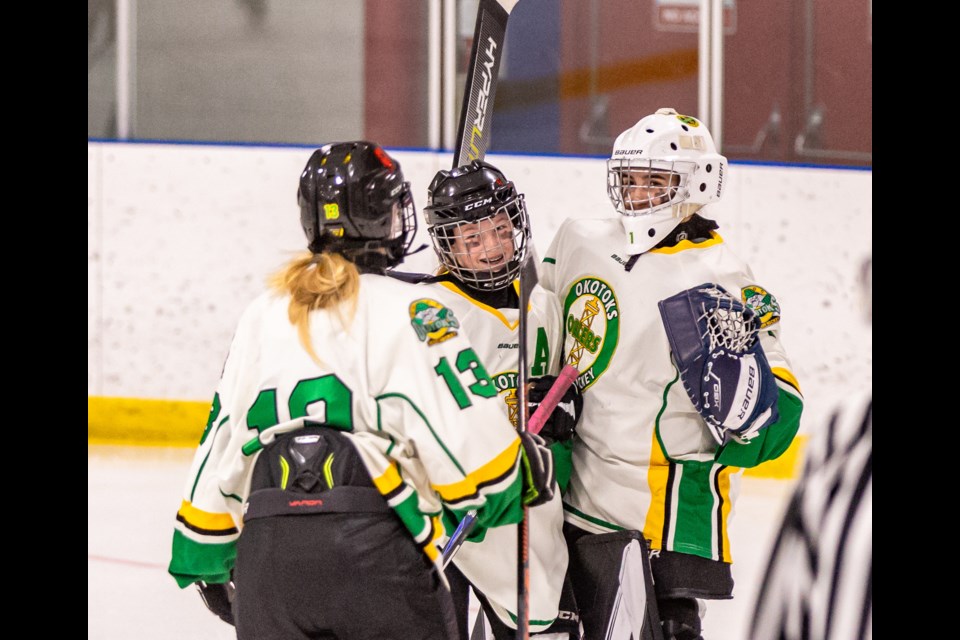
(133, 494)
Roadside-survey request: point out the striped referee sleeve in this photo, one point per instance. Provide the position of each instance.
(818, 583)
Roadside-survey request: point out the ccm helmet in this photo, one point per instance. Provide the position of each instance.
(478, 225)
(675, 158)
(353, 200)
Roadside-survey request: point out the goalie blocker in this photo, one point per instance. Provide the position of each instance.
(713, 338)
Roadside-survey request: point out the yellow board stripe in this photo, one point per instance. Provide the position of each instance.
(164, 423)
(177, 423)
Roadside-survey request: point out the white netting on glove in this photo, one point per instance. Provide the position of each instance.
(729, 324)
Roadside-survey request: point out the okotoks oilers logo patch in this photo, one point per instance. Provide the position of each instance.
(591, 327)
(432, 321)
(506, 384)
(763, 303)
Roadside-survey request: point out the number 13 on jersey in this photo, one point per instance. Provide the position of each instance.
(466, 361)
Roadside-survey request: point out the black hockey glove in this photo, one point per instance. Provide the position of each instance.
(562, 423)
(539, 478)
(218, 598)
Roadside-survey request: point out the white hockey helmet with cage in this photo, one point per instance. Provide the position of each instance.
(675, 155)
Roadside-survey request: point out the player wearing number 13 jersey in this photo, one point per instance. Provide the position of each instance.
(480, 231)
(350, 410)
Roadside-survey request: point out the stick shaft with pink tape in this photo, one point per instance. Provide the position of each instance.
(566, 378)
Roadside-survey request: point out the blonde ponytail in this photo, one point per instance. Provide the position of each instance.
(318, 281)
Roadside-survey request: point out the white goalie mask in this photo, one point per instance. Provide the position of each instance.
(661, 170)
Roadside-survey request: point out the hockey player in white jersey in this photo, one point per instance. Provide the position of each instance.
(352, 410)
(480, 231)
(649, 455)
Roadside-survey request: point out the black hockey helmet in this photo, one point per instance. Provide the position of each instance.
(353, 200)
(465, 196)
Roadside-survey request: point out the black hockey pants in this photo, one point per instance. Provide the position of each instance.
(322, 556)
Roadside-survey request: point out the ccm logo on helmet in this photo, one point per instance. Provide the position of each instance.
(478, 203)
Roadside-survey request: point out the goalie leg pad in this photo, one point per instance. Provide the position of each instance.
(613, 584)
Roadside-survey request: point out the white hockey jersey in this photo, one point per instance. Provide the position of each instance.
(403, 379)
(643, 458)
(491, 564)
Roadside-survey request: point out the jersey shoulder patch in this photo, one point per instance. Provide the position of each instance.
(763, 303)
(432, 321)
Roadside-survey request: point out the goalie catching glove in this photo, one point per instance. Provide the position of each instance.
(536, 467)
(713, 337)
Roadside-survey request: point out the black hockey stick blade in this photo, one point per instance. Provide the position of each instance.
(473, 131)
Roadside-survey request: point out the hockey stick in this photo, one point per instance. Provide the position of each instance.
(567, 376)
(473, 140)
(473, 131)
(528, 280)
(477, 109)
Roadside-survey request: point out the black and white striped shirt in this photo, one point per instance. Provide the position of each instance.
(818, 583)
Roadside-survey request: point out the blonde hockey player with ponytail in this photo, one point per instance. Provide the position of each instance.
(352, 411)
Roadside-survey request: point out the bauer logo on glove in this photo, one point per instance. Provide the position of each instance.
(714, 341)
